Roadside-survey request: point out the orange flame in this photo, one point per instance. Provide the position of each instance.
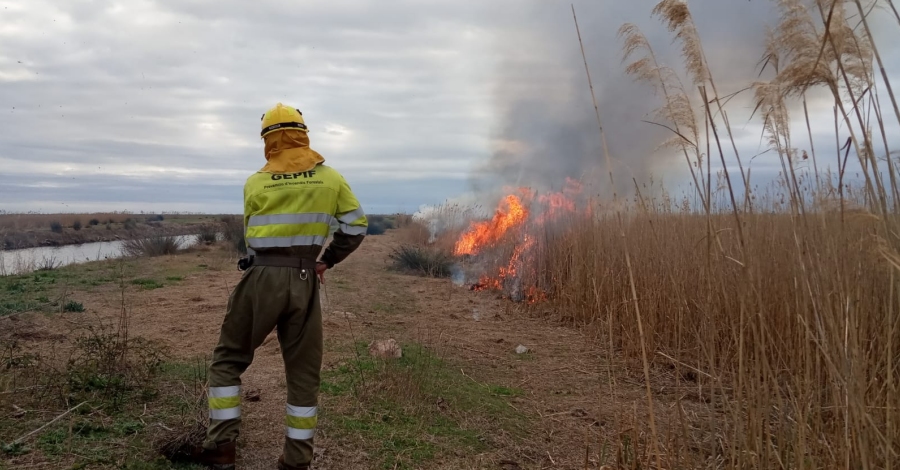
(511, 213)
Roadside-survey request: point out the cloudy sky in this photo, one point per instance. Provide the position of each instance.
(155, 104)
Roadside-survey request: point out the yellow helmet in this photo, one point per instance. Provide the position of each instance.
(282, 117)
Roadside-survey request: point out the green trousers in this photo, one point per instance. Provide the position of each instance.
(268, 298)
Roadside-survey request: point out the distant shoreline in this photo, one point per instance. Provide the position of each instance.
(22, 231)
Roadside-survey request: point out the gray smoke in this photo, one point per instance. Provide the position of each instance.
(546, 129)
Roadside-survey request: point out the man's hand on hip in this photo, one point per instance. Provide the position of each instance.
(320, 271)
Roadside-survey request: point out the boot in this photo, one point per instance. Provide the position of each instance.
(220, 458)
(284, 466)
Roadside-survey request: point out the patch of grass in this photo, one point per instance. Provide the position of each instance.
(174, 278)
(417, 408)
(73, 306)
(14, 450)
(423, 260)
(129, 394)
(184, 371)
(147, 284)
(8, 307)
(381, 308)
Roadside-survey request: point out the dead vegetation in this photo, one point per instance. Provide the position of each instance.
(781, 309)
(103, 400)
(773, 307)
(152, 246)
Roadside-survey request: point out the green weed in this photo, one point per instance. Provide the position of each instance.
(398, 409)
(73, 306)
(147, 284)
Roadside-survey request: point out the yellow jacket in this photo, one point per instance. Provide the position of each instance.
(296, 210)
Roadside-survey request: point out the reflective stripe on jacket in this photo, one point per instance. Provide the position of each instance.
(295, 210)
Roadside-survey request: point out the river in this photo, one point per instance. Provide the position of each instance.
(31, 259)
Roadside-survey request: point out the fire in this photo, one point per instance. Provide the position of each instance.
(522, 216)
(512, 213)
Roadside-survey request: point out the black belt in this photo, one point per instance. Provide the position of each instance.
(284, 262)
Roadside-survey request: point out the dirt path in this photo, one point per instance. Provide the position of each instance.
(541, 409)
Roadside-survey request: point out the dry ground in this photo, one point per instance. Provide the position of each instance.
(462, 399)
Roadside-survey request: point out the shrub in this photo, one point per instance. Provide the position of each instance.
(76, 225)
(155, 218)
(428, 261)
(47, 263)
(56, 226)
(153, 246)
(208, 235)
(234, 232)
(94, 222)
(379, 224)
(130, 224)
(73, 306)
(376, 227)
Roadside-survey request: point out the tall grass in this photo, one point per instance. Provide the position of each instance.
(776, 306)
(781, 304)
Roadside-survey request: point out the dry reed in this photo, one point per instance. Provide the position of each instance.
(777, 304)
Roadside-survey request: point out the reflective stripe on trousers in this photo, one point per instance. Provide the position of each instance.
(225, 402)
(301, 422)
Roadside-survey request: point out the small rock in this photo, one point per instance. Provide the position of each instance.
(521, 349)
(385, 349)
(509, 465)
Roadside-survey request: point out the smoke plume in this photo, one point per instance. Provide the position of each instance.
(546, 129)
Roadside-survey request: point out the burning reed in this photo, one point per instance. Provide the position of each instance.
(779, 305)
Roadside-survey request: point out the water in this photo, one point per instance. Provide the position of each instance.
(31, 259)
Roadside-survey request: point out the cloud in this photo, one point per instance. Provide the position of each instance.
(156, 104)
(158, 91)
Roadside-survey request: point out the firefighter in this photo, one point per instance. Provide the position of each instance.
(289, 206)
